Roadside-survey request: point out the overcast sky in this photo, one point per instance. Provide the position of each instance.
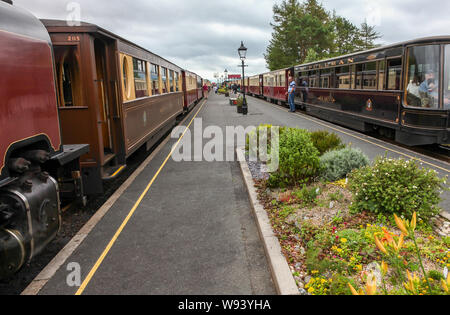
(203, 36)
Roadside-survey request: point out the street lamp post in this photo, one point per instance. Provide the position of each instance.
(226, 75)
(242, 54)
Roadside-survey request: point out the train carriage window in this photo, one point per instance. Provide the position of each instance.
(140, 77)
(422, 77)
(358, 76)
(370, 76)
(352, 76)
(314, 79)
(164, 80)
(447, 78)
(325, 78)
(381, 75)
(154, 73)
(171, 82)
(125, 74)
(342, 80)
(394, 74)
(69, 83)
(177, 81)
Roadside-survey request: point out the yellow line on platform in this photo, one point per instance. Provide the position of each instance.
(371, 142)
(118, 171)
(132, 211)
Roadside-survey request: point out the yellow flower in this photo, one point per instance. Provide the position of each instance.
(384, 267)
(352, 289)
(343, 240)
(444, 286)
(371, 285)
(380, 245)
(414, 221)
(401, 225)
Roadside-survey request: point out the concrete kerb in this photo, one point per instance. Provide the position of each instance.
(281, 273)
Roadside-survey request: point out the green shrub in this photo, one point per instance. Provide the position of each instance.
(298, 157)
(396, 187)
(257, 132)
(336, 165)
(325, 141)
(308, 196)
(239, 101)
(339, 285)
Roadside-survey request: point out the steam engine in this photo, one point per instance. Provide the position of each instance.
(36, 169)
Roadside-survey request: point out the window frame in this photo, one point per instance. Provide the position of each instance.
(152, 80)
(388, 59)
(142, 69)
(441, 75)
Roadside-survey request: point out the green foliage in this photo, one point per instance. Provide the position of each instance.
(298, 157)
(240, 101)
(396, 187)
(337, 164)
(435, 275)
(306, 31)
(337, 196)
(325, 141)
(307, 196)
(286, 211)
(339, 285)
(367, 36)
(268, 131)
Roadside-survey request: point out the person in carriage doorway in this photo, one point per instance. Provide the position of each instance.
(205, 91)
(291, 94)
(305, 90)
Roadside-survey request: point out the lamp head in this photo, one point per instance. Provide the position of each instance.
(242, 51)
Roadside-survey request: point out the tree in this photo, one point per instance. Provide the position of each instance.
(283, 47)
(346, 36)
(298, 28)
(307, 32)
(367, 35)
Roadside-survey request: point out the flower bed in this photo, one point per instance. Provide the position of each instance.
(336, 244)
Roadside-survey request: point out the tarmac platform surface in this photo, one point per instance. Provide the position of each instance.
(193, 232)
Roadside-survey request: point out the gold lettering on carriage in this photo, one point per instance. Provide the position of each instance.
(327, 99)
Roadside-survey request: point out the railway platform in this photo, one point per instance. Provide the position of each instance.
(187, 227)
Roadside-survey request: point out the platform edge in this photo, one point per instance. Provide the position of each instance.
(281, 273)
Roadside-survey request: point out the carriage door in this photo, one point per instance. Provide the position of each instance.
(103, 99)
(261, 85)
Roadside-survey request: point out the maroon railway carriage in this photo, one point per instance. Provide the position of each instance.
(401, 91)
(190, 89)
(275, 86)
(124, 96)
(254, 85)
(199, 88)
(36, 170)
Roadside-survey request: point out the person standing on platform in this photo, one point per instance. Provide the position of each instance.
(205, 91)
(291, 94)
